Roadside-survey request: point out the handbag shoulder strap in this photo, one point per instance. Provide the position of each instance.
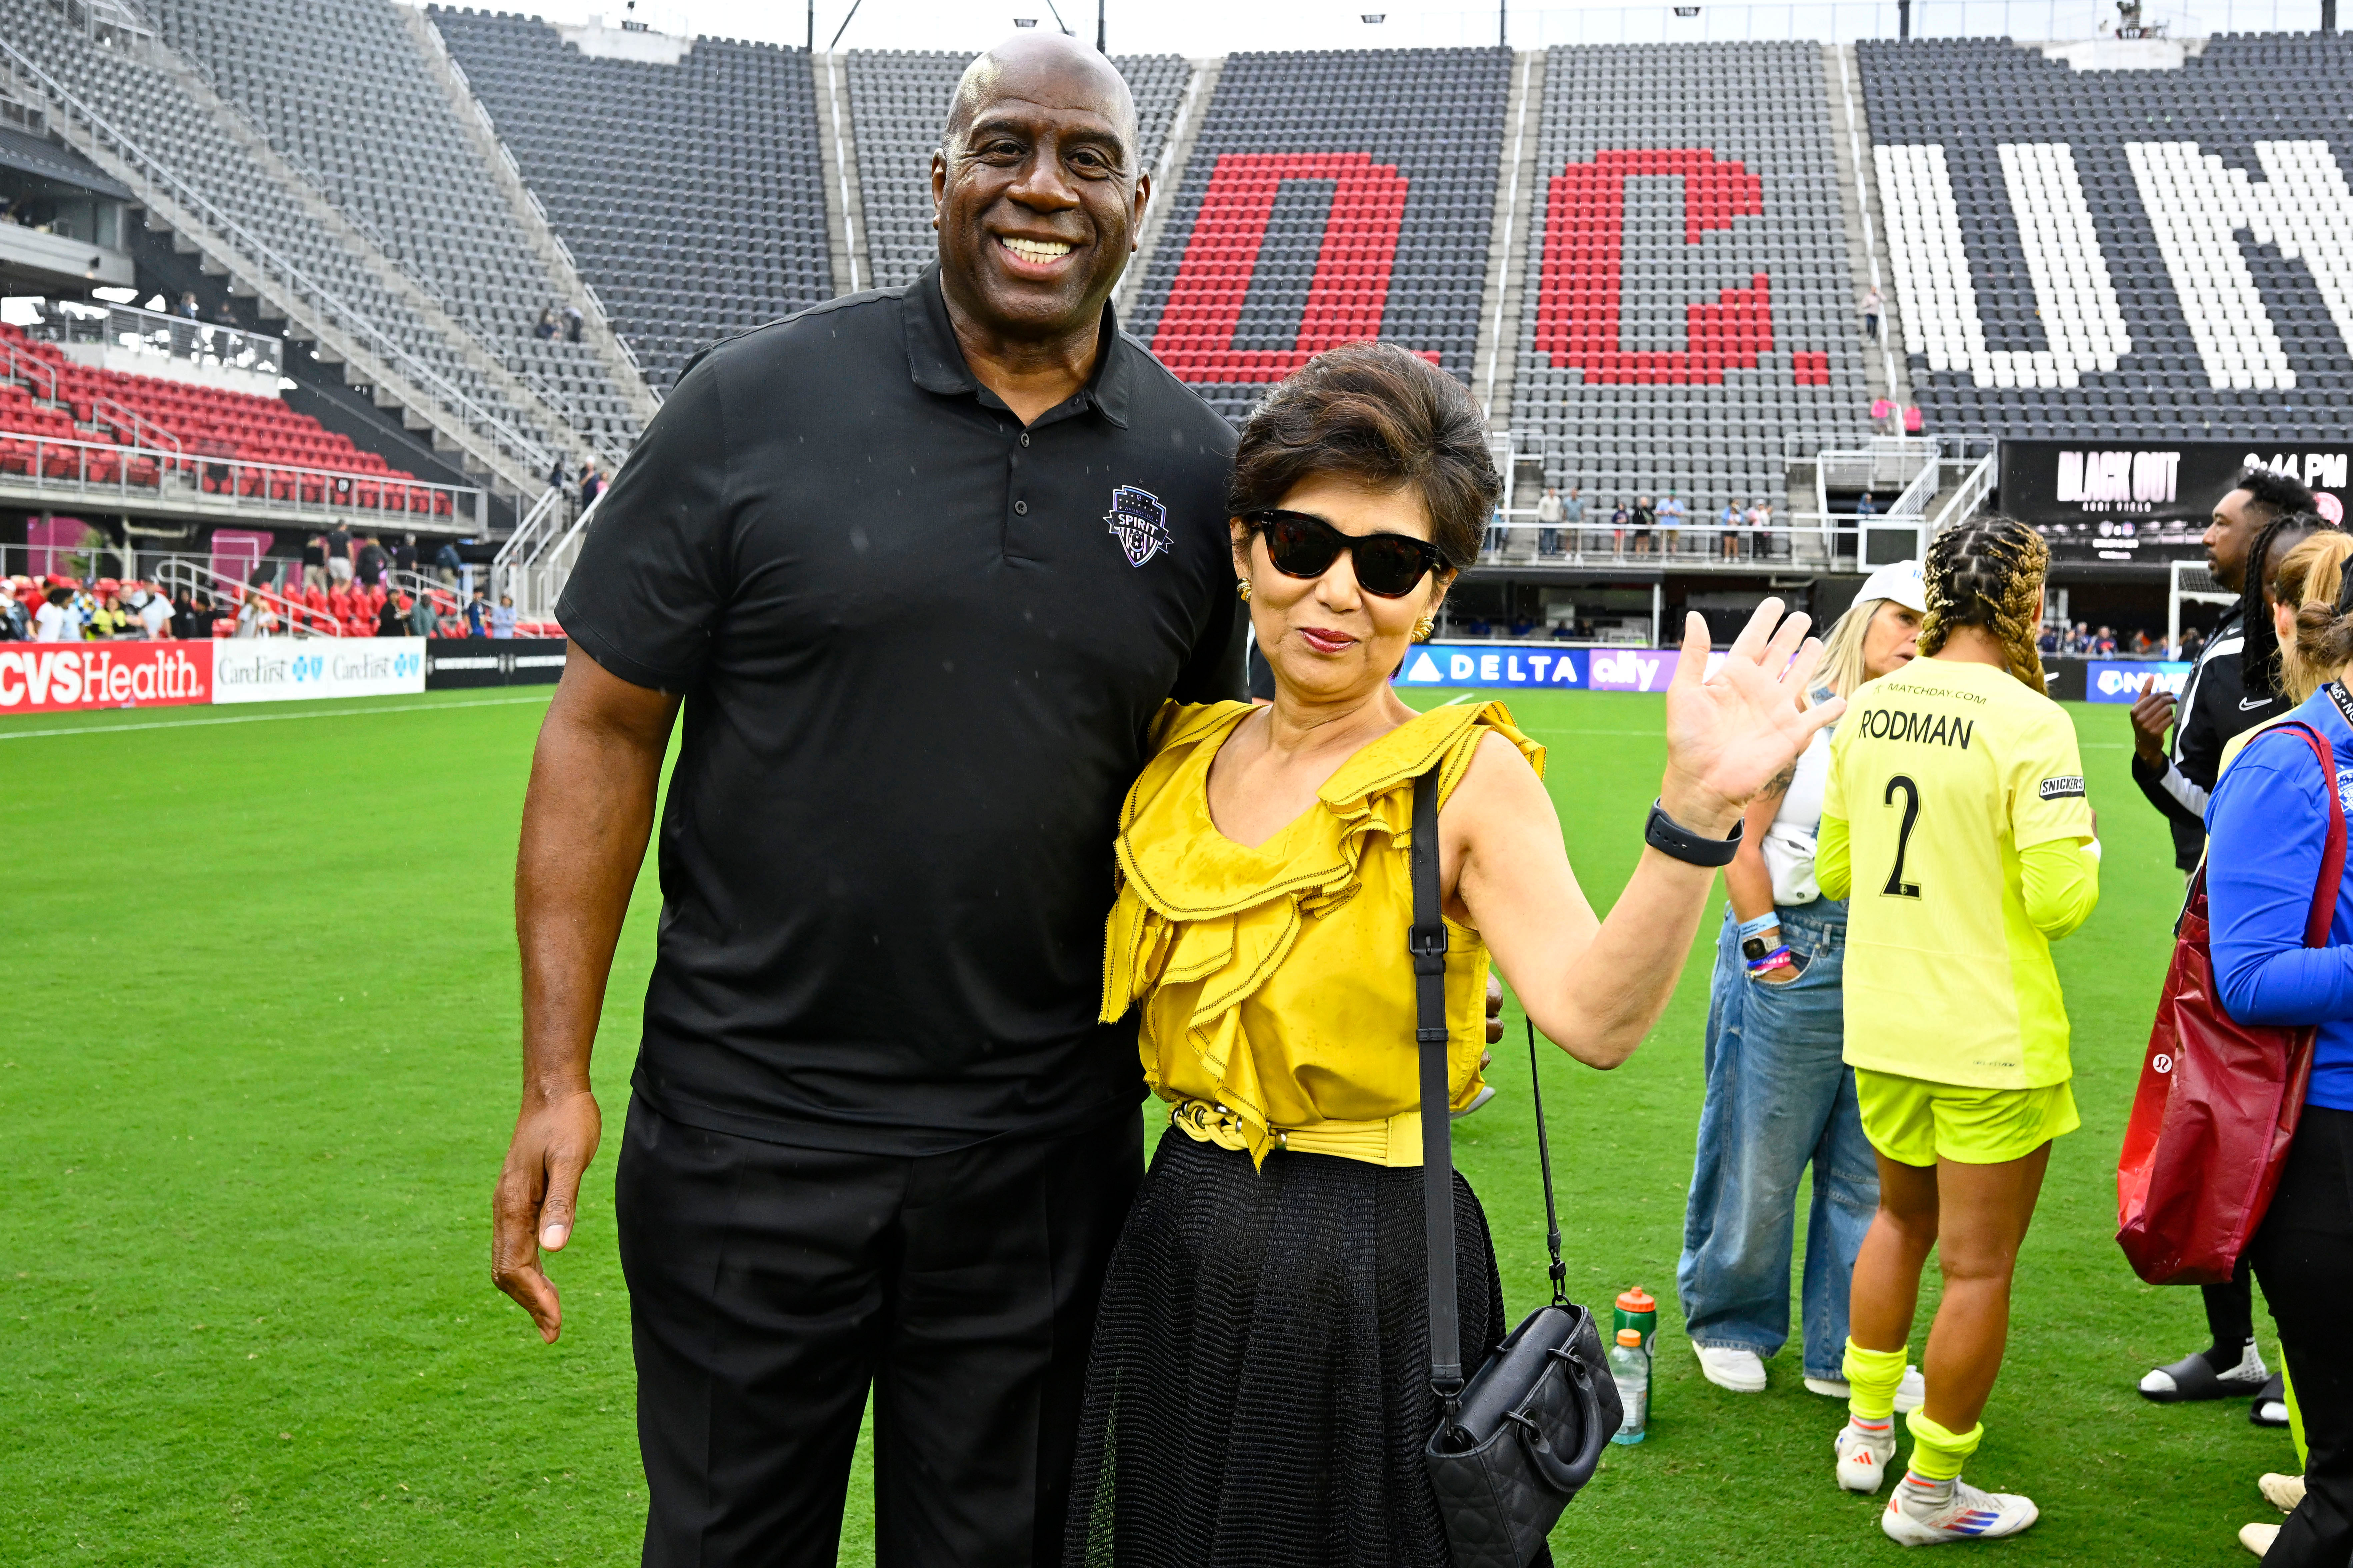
(2332, 852)
(1426, 942)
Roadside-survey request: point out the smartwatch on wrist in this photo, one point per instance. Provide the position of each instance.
(1754, 949)
(1668, 836)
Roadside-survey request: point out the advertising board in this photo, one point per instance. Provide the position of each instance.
(60, 678)
(284, 669)
(462, 662)
(1495, 665)
(2119, 680)
(2147, 501)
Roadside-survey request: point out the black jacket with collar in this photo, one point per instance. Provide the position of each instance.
(2214, 707)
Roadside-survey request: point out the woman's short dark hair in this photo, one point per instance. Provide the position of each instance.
(1380, 416)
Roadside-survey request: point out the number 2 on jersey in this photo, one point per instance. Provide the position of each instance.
(1897, 888)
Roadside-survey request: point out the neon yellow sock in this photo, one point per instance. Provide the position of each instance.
(2294, 1416)
(1938, 1455)
(1872, 1380)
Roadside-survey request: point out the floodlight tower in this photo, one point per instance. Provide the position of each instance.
(1103, 47)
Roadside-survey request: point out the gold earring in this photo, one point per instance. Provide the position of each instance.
(1423, 627)
(1241, 590)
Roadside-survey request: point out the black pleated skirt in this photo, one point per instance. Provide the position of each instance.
(1258, 1392)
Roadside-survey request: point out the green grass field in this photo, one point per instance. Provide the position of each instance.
(259, 1068)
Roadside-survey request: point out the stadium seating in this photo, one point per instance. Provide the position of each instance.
(899, 101)
(342, 88)
(1689, 307)
(2165, 253)
(691, 194)
(153, 110)
(1331, 197)
(44, 394)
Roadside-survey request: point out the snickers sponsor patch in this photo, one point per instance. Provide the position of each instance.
(2062, 787)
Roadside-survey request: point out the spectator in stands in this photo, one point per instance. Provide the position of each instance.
(403, 555)
(592, 483)
(478, 615)
(1760, 528)
(54, 621)
(502, 618)
(391, 616)
(980, 1092)
(1638, 524)
(154, 613)
(14, 625)
(1572, 517)
(2081, 642)
(2142, 646)
(573, 323)
(187, 621)
(1872, 304)
(1495, 545)
(107, 620)
(1550, 514)
(314, 563)
(339, 556)
(1671, 523)
(1728, 524)
(1915, 423)
(371, 561)
(545, 326)
(448, 562)
(187, 308)
(2048, 641)
(254, 618)
(1867, 506)
(2104, 644)
(2194, 643)
(422, 621)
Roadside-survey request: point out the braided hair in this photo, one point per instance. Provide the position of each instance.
(2259, 662)
(1988, 572)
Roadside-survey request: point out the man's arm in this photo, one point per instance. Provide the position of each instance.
(585, 819)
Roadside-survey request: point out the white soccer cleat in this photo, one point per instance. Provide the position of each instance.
(1970, 1515)
(1737, 1370)
(2282, 1492)
(1864, 1457)
(2258, 1538)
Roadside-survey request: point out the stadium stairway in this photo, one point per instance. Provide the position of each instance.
(128, 106)
(2162, 253)
(344, 88)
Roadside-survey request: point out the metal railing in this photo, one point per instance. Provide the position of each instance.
(1836, 21)
(1814, 541)
(151, 175)
(72, 469)
(154, 333)
(179, 575)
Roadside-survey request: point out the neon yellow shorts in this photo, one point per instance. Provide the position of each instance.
(1915, 1122)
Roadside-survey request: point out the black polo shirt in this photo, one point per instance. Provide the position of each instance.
(920, 647)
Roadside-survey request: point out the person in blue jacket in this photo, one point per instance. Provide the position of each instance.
(2267, 821)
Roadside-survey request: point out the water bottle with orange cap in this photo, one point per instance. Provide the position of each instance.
(1638, 1311)
(1637, 1326)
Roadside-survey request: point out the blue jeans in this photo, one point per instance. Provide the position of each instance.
(1778, 1096)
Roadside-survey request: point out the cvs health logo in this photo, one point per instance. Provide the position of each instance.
(58, 678)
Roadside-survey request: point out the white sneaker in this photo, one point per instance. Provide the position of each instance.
(1864, 1457)
(1970, 1515)
(2258, 1538)
(1736, 1370)
(2282, 1492)
(1910, 1395)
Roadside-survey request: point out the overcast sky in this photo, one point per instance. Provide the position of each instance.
(1194, 27)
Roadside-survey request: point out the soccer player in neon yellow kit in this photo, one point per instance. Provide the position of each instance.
(1955, 822)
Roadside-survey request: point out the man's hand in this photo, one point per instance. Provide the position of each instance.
(2152, 716)
(538, 1199)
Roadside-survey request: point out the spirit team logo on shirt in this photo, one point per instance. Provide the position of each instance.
(1140, 522)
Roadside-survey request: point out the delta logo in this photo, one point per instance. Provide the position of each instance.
(43, 677)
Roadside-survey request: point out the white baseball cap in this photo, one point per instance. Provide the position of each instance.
(1901, 582)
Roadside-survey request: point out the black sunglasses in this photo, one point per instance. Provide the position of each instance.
(1301, 545)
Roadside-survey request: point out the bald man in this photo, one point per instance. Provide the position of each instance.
(920, 565)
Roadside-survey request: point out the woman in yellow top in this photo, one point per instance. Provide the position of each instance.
(1955, 824)
(1259, 1392)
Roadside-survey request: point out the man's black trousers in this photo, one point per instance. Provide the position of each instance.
(2304, 1259)
(770, 1286)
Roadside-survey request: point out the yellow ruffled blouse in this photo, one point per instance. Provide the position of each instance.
(1276, 1000)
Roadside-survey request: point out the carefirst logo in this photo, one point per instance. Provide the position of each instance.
(42, 677)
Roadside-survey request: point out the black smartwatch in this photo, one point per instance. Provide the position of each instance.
(1664, 834)
(1754, 949)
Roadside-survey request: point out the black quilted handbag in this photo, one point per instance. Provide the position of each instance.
(1517, 1441)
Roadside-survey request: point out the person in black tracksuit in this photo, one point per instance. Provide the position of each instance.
(2232, 688)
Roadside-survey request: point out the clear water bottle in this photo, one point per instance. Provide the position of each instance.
(1630, 1368)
